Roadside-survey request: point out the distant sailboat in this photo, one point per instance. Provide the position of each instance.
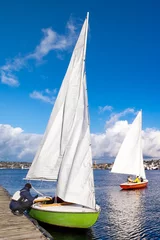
(129, 159)
(65, 152)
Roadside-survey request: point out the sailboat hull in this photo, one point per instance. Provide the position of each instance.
(128, 186)
(73, 216)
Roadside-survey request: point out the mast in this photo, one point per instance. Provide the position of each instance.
(84, 72)
(141, 156)
(85, 44)
(142, 170)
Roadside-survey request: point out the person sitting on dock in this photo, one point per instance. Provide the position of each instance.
(129, 179)
(137, 180)
(22, 200)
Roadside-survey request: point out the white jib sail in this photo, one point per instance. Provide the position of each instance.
(75, 181)
(48, 158)
(129, 159)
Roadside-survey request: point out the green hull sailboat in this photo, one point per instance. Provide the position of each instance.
(65, 153)
(72, 216)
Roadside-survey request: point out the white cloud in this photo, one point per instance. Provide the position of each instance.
(45, 96)
(105, 108)
(54, 41)
(15, 64)
(54, 91)
(50, 41)
(107, 144)
(15, 145)
(116, 116)
(9, 79)
(151, 142)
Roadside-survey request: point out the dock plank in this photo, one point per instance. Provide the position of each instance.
(15, 227)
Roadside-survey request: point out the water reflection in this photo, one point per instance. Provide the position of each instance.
(60, 233)
(125, 213)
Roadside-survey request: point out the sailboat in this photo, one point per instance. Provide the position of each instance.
(129, 159)
(65, 153)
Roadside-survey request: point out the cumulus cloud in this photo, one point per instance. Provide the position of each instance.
(115, 116)
(16, 145)
(151, 142)
(107, 144)
(47, 95)
(50, 41)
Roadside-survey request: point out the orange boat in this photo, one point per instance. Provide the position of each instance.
(130, 186)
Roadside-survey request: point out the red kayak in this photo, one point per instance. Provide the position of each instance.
(130, 185)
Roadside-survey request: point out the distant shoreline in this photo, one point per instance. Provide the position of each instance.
(149, 165)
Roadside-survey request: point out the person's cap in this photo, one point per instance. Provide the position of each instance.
(28, 185)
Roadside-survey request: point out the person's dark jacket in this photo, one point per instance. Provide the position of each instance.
(25, 201)
(26, 195)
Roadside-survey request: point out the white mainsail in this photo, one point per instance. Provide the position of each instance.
(75, 183)
(129, 159)
(65, 151)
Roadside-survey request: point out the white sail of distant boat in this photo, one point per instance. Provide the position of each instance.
(65, 152)
(129, 159)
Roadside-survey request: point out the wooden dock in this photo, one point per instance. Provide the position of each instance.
(15, 227)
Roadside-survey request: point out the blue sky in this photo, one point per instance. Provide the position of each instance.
(122, 60)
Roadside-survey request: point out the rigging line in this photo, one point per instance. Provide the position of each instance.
(37, 191)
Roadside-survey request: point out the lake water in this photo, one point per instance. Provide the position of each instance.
(133, 214)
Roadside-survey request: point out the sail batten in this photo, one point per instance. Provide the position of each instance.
(129, 159)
